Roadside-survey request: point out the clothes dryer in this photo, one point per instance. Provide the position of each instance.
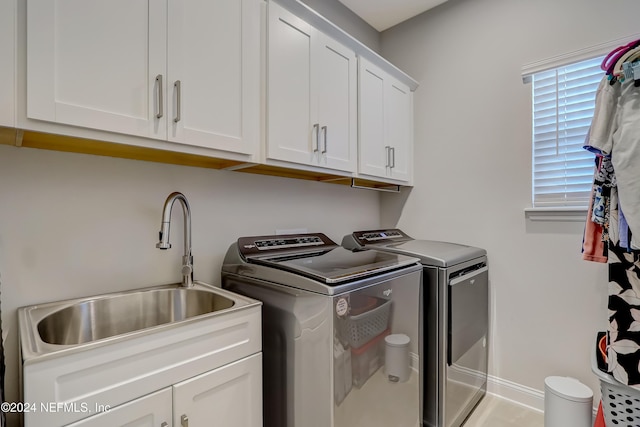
(455, 321)
(326, 312)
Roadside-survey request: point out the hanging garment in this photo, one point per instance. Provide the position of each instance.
(624, 147)
(623, 353)
(593, 249)
(604, 114)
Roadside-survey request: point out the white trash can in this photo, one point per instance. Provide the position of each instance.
(397, 357)
(567, 403)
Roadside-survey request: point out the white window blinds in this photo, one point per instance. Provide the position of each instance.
(563, 104)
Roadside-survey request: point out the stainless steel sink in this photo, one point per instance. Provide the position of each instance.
(106, 317)
(75, 324)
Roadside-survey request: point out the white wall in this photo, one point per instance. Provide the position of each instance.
(348, 21)
(76, 225)
(473, 172)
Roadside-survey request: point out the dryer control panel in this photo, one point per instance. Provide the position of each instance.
(380, 236)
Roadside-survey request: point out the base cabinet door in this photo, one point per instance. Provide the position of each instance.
(231, 396)
(153, 410)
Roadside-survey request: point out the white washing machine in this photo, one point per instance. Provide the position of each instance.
(326, 313)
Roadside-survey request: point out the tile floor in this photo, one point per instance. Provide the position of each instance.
(494, 411)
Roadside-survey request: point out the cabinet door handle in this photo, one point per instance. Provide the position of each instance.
(316, 130)
(184, 420)
(324, 133)
(388, 150)
(159, 110)
(177, 85)
(393, 157)
(164, 424)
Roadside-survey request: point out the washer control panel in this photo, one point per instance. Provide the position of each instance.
(259, 245)
(292, 242)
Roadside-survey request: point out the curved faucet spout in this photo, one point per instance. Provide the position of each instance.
(187, 259)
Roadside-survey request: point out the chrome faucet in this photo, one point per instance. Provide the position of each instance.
(187, 259)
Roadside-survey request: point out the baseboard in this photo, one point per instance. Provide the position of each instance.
(517, 393)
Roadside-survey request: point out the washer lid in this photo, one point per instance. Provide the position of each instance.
(568, 388)
(431, 252)
(337, 265)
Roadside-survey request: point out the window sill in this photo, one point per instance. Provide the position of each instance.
(556, 214)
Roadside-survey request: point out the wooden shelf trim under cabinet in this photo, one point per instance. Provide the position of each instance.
(110, 149)
(46, 141)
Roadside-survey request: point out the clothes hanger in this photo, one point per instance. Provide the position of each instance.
(613, 56)
(617, 68)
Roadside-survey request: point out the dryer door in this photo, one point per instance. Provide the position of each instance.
(468, 321)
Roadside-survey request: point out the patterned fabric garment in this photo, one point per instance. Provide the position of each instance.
(604, 179)
(623, 351)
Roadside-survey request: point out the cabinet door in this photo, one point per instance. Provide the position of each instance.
(337, 105)
(231, 395)
(7, 67)
(399, 123)
(153, 410)
(292, 127)
(373, 151)
(94, 63)
(214, 73)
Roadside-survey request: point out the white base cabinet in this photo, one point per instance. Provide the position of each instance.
(385, 125)
(219, 353)
(230, 395)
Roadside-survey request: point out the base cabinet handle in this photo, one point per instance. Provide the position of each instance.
(164, 424)
(184, 420)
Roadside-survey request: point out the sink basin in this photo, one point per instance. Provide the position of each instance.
(100, 318)
(72, 325)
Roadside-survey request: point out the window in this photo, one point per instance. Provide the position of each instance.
(563, 104)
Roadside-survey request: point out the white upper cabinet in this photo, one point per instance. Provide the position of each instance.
(186, 71)
(7, 66)
(214, 73)
(311, 95)
(93, 63)
(385, 125)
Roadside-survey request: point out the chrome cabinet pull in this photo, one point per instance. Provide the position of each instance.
(324, 133)
(184, 420)
(393, 157)
(176, 85)
(316, 130)
(159, 110)
(388, 149)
